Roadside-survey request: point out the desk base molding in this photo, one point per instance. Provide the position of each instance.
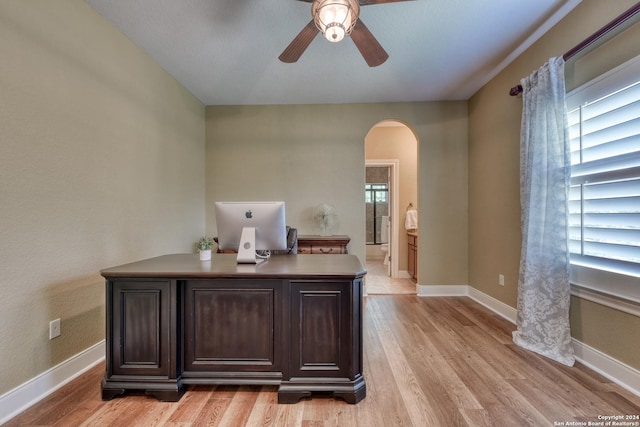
(165, 391)
(298, 388)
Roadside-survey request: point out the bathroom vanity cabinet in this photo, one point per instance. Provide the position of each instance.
(412, 255)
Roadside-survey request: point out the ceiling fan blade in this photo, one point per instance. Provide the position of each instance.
(371, 50)
(298, 45)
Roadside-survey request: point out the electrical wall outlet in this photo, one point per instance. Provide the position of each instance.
(54, 329)
(501, 279)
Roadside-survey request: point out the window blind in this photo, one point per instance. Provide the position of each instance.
(604, 196)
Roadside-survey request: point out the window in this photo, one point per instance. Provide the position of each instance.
(376, 193)
(604, 198)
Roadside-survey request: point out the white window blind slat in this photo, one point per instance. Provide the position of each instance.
(608, 169)
(610, 149)
(605, 135)
(611, 205)
(613, 102)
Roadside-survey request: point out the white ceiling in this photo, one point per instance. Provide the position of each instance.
(226, 51)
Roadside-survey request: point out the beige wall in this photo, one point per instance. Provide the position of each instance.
(102, 162)
(397, 142)
(311, 154)
(494, 201)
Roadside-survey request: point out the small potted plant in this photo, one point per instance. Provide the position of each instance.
(204, 246)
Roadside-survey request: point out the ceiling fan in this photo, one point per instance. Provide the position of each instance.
(336, 19)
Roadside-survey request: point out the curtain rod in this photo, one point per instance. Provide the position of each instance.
(517, 90)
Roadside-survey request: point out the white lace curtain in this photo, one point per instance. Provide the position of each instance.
(543, 286)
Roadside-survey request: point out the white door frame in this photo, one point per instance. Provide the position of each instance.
(394, 166)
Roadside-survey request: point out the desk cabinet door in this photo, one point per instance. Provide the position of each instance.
(140, 326)
(233, 325)
(321, 328)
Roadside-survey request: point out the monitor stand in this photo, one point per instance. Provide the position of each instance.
(247, 246)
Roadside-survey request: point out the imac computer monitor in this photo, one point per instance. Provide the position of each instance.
(248, 227)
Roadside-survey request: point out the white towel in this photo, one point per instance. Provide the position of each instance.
(384, 230)
(411, 221)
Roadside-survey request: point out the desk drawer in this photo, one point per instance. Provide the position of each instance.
(314, 245)
(304, 249)
(326, 250)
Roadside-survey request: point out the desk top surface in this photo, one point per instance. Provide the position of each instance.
(185, 266)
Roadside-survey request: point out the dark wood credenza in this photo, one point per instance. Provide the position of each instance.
(292, 321)
(313, 244)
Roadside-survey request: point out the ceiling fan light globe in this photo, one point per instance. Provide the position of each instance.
(334, 33)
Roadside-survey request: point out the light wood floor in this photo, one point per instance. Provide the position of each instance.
(377, 281)
(428, 362)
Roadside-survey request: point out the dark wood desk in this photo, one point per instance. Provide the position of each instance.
(292, 321)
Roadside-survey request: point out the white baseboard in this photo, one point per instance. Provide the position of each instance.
(22, 397)
(493, 304)
(623, 375)
(442, 290)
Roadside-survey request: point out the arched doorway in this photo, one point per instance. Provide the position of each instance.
(391, 149)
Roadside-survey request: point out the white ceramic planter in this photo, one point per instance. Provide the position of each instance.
(205, 255)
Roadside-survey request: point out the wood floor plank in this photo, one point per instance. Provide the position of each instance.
(191, 405)
(427, 356)
(417, 403)
(239, 407)
(115, 412)
(289, 415)
(472, 339)
(478, 417)
(443, 361)
(154, 415)
(491, 323)
(264, 410)
(468, 359)
(214, 410)
(562, 389)
(435, 374)
(504, 362)
(381, 384)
